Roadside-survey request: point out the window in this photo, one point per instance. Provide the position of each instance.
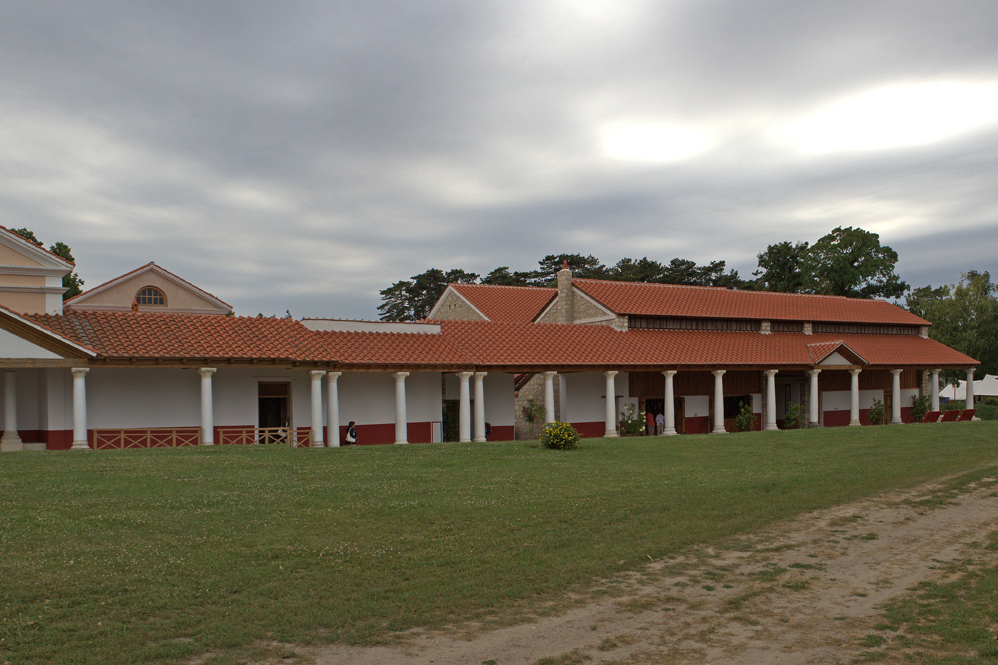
(150, 296)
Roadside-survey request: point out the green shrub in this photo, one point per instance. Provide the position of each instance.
(793, 417)
(745, 418)
(560, 436)
(877, 414)
(919, 407)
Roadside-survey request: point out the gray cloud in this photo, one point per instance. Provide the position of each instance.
(306, 155)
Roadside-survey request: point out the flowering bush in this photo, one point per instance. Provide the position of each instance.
(561, 436)
(532, 411)
(632, 421)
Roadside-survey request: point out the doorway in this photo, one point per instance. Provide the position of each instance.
(274, 405)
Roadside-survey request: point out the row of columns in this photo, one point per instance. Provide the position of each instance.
(11, 438)
(464, 411)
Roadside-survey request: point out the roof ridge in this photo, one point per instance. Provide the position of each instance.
(504, 286)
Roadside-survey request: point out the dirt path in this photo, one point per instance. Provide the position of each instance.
(805, 592)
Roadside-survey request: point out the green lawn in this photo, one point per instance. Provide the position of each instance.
(160, 555)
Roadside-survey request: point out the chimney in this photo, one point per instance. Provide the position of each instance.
(566, 295)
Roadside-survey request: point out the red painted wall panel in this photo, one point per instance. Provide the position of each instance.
(591, 430)
(501, 433)
(695, 425)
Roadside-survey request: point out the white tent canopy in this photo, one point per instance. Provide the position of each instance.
(988, 386)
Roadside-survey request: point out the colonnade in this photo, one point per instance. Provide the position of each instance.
(469, 429)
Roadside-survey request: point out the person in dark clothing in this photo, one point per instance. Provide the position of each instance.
(351, 438)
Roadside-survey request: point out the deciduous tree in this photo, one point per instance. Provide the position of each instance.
(963, 316)
(852, 262)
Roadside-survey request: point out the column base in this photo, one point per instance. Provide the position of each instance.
(464, 441)
(80, 445)
(610, 434)
(11, 444)
(854, 423)
(669, 432)
(719, 430)
(813, 425)
(481, 440)
(401, 443)
(770, 428)
(897, 422)
(207, 443)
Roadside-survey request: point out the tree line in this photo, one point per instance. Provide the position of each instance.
(847, 262)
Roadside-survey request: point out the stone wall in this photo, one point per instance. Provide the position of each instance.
(455, 308)
(534, 389)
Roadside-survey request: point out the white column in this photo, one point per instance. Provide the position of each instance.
(934, 390)
(969, 402)
(549, 396)
(464, 421)
(480, 406)
(854, 398)
(670, 403)
(896, 397)
(770, 399)
(718, 401)
(611, 405)
(207, 407)
(80, 408)
(317, 375)
(11, 439)
(814, 415)
(401, 424)
(333, 408)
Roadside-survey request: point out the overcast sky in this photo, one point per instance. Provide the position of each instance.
(306, 155)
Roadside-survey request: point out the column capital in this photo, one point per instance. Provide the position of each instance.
(400, 376)
(464, 376)
(333, 376)
(718, 372)
(480, 375)
(896, 372)
(855, 372)
(610, 374)
(935, 372)
(813, 372)
(669, 372)
(317, 372)
(79, 371)
(770, 372)
(206, 372)
(550, 374)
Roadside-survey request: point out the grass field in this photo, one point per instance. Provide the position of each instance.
(161, 555)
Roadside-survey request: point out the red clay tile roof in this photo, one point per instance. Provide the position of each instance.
(518, 346)
(378, 348)
(533, 346)
(642, 299)
(819, 352)
(120, 278)
(506, 303)
(154, 335)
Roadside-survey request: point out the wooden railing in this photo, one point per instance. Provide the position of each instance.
(162, 437)
(282, 436)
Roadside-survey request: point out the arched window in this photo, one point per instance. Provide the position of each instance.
(150, 295)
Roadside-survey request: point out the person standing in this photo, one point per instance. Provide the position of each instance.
(351, 438)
